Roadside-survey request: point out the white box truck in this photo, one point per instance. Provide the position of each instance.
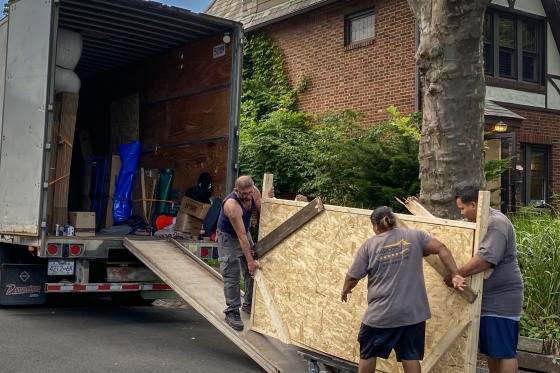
(164, 76)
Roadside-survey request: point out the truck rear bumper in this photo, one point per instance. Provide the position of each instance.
(103, 287)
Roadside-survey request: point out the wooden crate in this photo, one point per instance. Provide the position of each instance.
(297, 294)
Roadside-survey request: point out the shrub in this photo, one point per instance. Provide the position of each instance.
(538, 248)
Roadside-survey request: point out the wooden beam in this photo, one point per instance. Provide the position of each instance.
(268, 299)
(533, 345)
(538, 362)
(468, 294)
(476, 283)
(446, 341)
(291, 225)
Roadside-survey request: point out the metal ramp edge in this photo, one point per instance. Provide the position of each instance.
(202, 287)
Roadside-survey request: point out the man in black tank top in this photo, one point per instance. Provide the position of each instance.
(234, 247)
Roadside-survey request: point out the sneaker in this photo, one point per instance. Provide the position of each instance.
(234, 320)
(246, 309)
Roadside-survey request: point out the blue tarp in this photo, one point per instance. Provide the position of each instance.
(122, 204)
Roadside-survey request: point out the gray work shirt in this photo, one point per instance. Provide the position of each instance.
(502, 294)
(392, 261)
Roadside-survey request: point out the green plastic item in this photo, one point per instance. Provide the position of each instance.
(165, 179)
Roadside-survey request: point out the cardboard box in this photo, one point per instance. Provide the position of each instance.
(187, 223)
(83, 223)
(194, 208)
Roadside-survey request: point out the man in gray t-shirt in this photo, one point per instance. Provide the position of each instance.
(393, 261)
(398, 307)
(502, 295)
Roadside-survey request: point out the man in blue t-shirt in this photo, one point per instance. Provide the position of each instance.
(234, 247)
(502, 295)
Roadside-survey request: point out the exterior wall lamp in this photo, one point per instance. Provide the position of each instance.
(499, 127)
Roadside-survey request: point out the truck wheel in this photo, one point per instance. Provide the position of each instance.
(313, 367)
(130, 299)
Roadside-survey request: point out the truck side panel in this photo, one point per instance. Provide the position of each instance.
(25, 117)
(3, 49)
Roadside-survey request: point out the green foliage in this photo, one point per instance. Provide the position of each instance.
(279, 145)
(364, 167)
(265, 86)
(494, 168)
(390, 166)
(538, 247)
(332, 143)
(409, 126)
(7, 6)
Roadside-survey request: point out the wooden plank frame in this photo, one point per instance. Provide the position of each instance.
(302, 277)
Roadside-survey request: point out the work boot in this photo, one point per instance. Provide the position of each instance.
(234, 320)
(246, 309)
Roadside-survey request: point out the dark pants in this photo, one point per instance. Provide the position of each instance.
(233, 265)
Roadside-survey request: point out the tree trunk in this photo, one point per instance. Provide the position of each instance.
(450, 62)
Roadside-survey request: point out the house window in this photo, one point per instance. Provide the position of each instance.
(535, 180)
(359, 26)
(513, 47)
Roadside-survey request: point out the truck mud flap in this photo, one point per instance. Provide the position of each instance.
(22, 284)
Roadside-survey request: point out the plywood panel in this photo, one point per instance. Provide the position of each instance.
(185, 71)
(306, 271)
(191, 118)
(189, 162)
(64, 141)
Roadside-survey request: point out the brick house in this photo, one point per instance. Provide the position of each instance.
(360, 54)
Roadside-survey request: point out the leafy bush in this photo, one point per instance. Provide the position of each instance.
(265, 85)
(364, 167)
(538, 247)
(279, 144)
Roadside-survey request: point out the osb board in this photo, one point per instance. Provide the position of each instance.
(189, 162)
(305, 274)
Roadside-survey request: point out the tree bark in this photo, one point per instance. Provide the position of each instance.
(450, 61)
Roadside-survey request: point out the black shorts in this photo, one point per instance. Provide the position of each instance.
(407, 341)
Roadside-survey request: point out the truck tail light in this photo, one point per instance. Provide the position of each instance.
(75, 250)
(205, 252)
(52, 249)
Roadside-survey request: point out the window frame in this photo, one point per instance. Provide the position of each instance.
(348, 26)
(495, 48)
(527, 151)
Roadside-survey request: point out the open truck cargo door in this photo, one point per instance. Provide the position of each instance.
(25, 116)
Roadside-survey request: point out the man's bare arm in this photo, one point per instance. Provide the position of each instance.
(349, 284)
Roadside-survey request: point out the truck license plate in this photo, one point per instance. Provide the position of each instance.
(60, 267)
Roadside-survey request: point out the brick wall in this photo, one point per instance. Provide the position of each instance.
(373, 76)
(542, 128)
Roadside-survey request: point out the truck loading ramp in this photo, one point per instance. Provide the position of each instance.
(202, 287)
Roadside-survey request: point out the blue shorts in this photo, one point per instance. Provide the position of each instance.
(407, 341)
(498, 337)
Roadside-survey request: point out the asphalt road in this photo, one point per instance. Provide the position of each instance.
(82, 334)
